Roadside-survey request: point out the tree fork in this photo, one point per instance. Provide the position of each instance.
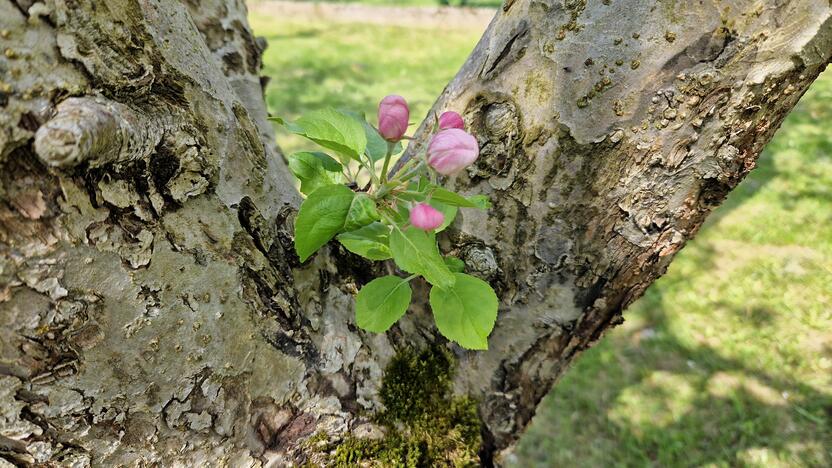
(153, 308)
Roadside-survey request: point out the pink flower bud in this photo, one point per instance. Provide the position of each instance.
(451, 150)
(450, 119)
(426, 217)
(393, 115)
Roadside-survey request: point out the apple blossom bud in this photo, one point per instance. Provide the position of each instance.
(450, 119)
(393, 116)
(426, 217)
(452, 150)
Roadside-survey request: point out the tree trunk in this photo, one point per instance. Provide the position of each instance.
(153, 309)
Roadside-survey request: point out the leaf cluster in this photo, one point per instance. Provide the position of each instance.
(348, 199)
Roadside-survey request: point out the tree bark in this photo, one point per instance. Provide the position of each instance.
(153, 309)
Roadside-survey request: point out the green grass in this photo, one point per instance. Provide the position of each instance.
(727, 360)
(353, 66)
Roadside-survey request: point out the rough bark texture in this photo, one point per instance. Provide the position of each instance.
(152, 308)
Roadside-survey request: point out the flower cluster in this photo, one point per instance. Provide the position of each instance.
(381, 214)
(450, 150)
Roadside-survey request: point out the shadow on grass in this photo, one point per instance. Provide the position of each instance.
(692, 406)
(301, 34)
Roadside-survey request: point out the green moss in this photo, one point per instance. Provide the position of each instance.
(317, 438)
(393, 450)
(426, 425)
(404, 400)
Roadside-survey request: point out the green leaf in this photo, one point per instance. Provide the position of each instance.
(321, 216)
(371, 241)
(452, 198)
(362, 212)
(456, 265)
(381, 302)
(415, 251)
(481, 201)
(449, 211)
(401, 215)
(314, 170)
(332, 129)
(416, 190)
(466, 311)
(377, 145)
(411, 196)
(285, 123)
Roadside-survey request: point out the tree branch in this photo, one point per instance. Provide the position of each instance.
(608, 131)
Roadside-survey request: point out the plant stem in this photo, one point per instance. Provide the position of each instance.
(350, 176)
(372, 170)
(384, 168)
(408, 175)
(389, 221)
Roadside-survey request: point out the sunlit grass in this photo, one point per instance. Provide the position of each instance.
(353, 66)
(727, 360)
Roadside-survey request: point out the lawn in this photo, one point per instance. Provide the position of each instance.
(727, 360)
(316, 64)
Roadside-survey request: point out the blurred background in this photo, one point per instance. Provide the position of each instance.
(727, 360)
